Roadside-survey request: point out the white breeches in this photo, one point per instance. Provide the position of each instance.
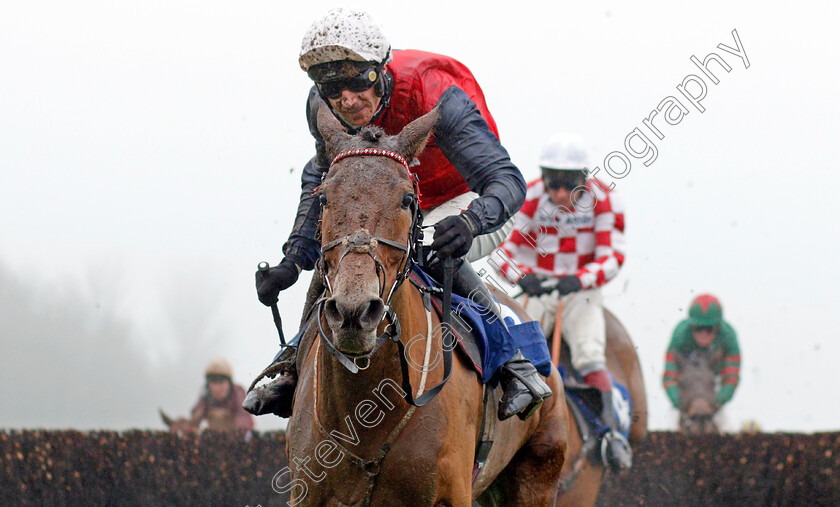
(482, 245)
(584, 327)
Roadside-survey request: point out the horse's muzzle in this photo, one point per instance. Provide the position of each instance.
(354, 323)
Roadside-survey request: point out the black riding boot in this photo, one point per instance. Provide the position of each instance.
(524, 388)
(276, 396)
(615, 450)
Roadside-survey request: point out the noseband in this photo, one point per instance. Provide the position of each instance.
(363, 242)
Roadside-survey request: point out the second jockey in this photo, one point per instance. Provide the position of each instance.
(567, 242)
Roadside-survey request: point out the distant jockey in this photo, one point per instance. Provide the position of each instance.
(567, 242)
(221, 402)
(704, 331)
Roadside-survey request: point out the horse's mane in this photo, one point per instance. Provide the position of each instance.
(372, 134)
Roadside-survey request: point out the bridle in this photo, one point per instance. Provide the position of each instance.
(361, 241)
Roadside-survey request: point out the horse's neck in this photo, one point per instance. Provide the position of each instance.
(341, 394)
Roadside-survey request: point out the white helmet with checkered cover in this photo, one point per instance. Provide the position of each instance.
(565, 152)
(344, 34)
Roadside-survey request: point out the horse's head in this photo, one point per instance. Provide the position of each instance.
(180, 425)
(697, 394)
(369, 208)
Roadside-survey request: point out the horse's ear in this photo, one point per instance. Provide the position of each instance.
(413, 137)
(166, 419)
(331, 130)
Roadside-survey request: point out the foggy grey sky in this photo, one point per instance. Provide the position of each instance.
(150, 156)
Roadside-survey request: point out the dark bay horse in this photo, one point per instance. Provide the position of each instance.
(353, 439)
(698, 403)
(581, 475)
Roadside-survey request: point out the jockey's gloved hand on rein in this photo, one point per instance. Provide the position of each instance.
(534, 285)
(454, 236)
(271, 281)
(568, 284)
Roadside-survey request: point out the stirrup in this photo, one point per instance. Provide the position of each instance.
(523, 372)
(608, 458)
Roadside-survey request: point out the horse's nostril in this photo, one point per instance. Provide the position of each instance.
(332, 313)
(371, 314)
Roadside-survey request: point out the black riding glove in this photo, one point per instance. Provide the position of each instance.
(453, 236)
(271, 281)
(534, 285)
(568, 284)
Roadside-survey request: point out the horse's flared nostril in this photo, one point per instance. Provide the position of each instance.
(333, 314)
(371, 314)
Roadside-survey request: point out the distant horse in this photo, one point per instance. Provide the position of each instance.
(698, 404)
(582, 476)
(179, 425)
(217, 420)
(353, 439)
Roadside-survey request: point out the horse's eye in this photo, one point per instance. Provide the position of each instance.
(322, 199)
(407, 200)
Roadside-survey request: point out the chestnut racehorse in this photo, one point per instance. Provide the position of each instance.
(353, 439)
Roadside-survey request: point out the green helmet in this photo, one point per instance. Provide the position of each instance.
(705, 310)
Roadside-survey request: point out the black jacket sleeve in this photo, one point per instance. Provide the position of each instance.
(474, 150)
(302, 247)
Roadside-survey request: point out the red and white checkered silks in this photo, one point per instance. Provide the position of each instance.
(551, 241)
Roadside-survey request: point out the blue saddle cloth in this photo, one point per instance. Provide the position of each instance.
(496, 342)
(589, 403)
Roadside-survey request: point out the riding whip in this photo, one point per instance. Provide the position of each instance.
(263, 268)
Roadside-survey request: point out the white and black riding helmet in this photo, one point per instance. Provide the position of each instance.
(345, 49)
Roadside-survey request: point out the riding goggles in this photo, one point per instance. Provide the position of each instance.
(364, 81)
(217, 379)
(570, 180)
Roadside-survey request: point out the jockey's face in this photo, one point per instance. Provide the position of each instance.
(561, 197)
(356, 108)
(704, 335)
(560, 184)
(219, 388)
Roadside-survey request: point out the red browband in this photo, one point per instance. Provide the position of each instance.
(358, 152)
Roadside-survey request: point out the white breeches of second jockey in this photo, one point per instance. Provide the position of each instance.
(584, 327)
(482, 245)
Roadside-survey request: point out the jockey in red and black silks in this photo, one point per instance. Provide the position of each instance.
(469, 189)
(464, 154)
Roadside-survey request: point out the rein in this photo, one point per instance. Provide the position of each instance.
(361, 241)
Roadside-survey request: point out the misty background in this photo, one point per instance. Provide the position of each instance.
(150, 157)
